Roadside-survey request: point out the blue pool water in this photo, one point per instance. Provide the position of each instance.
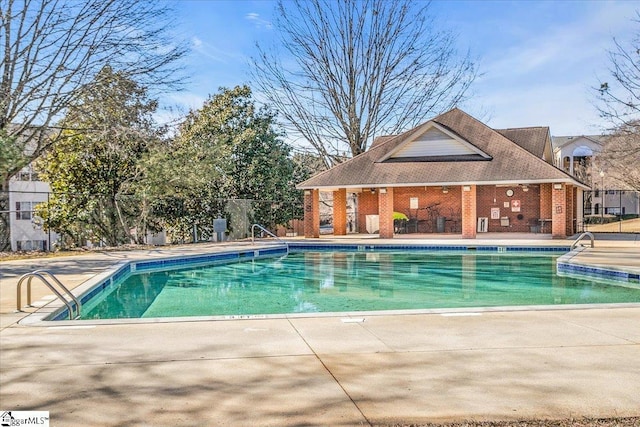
(322, 281)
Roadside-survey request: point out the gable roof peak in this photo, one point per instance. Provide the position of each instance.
(432, 141)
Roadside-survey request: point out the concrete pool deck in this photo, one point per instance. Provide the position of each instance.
(326, 370)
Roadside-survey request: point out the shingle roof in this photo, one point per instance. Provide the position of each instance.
(532, 139)
(381, 139)
(509, 162)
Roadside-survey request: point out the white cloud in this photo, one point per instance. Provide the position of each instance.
(215, 53)
(187, 100)
(565, 41)
(561, 48)
(545, 78)
(257, 21)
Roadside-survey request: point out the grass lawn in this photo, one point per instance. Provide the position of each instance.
(628, 226)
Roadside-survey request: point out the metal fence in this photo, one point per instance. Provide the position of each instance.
(139, 221)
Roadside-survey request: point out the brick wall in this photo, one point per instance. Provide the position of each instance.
(295, 227)
(312, 213)
(490, 196)
(367, 205)
(536, 203)
(447, 205)
(559, 212)
(546, 201)
(386, 208)
(469, 212)
(340, 212)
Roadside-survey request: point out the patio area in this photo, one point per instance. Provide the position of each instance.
(325, 370)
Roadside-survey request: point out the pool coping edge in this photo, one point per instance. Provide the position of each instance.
(49, 313)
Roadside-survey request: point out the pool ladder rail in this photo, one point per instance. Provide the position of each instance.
(582, 236)
(44, 276)
(264, 230)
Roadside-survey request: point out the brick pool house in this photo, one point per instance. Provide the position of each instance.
(452, 174)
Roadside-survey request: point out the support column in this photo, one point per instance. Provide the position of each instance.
(469, 213)
(385, 211)
(312, 213)
(546, 205)
(571, 165)
(340, 212)
(579, 210)
(559, 213)
(571, 210)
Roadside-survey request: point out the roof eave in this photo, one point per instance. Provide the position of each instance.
(445, 183)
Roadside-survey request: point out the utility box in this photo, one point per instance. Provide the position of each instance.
(220, 228)
(504, 221)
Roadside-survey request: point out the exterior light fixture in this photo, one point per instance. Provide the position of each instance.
(445, 190)
(373, 190)
(525, 188)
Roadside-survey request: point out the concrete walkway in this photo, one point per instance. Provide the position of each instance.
(326, 370)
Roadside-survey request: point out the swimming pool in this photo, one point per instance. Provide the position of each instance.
(316, 280)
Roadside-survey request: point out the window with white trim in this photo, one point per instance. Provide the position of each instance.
(28, 174)
(31, 245)
(24, 210)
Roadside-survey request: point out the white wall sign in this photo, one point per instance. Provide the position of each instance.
(413, 203)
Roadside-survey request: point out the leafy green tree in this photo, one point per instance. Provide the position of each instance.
(51, 49)
(10, 155)
(228, 149)
(91, 170)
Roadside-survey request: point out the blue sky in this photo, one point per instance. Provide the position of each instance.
(539, 59)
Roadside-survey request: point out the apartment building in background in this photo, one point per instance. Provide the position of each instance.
(27, 229)
(577, 155)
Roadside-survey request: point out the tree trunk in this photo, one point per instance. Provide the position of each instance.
(5, 216)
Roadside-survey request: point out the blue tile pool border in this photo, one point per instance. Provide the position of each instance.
(598, 273)
(299, 246)
(565, 267)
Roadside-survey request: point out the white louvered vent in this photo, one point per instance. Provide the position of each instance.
(434, 143)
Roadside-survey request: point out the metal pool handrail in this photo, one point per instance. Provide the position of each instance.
(40, 274)
(253, 237)
(585, 234)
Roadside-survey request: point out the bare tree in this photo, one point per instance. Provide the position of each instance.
(619, 103)
(356, 69)
(620, 158)
(51, 48)
(620, 99)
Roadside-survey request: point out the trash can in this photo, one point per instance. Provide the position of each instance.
(440, 221)
(220, 228)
